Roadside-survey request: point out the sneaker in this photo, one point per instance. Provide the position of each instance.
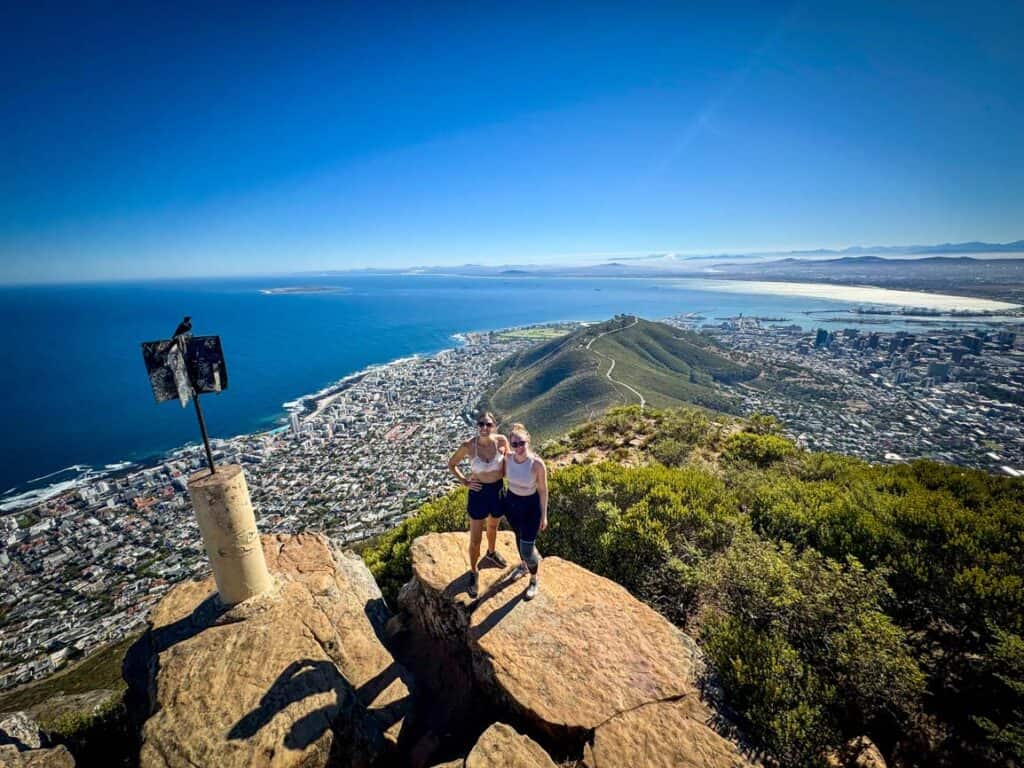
(520, 571)
(531, 591)
(496, 558)
(474, 584)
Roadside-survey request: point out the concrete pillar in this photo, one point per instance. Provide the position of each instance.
(226, 519)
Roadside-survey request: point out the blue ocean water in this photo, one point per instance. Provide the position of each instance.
(75, 390)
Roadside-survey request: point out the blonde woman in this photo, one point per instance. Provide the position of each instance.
(486, 453)
(526, 503)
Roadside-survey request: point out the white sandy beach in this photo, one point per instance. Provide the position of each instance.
(853, 293)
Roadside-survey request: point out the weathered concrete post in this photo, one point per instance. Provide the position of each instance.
(228, 525)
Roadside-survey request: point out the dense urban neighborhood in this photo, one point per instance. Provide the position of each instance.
(950, 395)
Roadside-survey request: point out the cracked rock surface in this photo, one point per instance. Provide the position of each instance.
(583, 662)
(664, 734)
(294, 678)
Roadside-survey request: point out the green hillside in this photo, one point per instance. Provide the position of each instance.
(833, 598)
(564, 381)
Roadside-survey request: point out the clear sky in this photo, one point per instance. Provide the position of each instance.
(192, 140)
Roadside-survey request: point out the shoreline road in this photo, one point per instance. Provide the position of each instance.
(608, 373)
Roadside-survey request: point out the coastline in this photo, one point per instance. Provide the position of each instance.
(862, 294)
(308, 405)
(28, 493)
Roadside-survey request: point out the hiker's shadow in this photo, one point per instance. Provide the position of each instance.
(462, 584)
(309, 677)
(204, 615)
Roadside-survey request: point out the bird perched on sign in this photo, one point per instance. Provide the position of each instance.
(185, 326)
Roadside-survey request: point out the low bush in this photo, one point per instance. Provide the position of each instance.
(759, 450)
(801, 637)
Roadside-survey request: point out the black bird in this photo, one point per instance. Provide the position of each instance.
(185, 326)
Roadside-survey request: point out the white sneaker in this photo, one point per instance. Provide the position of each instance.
(531, 591)
(520, 571)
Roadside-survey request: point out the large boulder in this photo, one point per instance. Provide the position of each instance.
(502, 745)
(296, 677)
(583, 659)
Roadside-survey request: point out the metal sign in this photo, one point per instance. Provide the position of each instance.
(185, 367)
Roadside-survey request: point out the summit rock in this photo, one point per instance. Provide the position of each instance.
(584, 664)
(295, 677)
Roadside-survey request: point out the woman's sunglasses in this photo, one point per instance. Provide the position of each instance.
(485, 423)
(517, 443)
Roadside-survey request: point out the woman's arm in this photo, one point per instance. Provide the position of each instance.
(453, 467)
(541, 473)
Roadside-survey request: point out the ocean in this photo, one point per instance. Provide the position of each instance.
(76, 397)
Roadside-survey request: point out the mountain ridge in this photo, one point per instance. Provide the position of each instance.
(625, 360)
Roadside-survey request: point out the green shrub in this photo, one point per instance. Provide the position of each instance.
(779, 697)
(799, 633)
(670, 452)
(760, 450)
(631, 543)
(762, 424)
(1003, 728)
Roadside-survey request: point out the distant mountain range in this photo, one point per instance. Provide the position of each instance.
(856, 250)
(675, 264)
(556, 385)
(972, 247)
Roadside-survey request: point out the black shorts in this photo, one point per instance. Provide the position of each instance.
(487, 502)
(523, 514)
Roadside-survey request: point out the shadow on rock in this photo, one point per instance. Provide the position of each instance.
(142, 661)
(308, 677)
(498, 614)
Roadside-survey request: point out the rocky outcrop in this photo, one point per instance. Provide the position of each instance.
(19, 730)
(24, 745)
(583, 662)
(296, 677)
(58, 757)
(860, 752)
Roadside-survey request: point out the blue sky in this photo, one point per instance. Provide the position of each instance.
(194, 140)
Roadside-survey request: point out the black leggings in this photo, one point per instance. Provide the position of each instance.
(523, 513)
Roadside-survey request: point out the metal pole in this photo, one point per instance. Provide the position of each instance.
(199, 410)
(202, 428)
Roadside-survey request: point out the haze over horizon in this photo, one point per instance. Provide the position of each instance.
(228, 141)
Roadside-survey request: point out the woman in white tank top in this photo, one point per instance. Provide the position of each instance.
(526, 503)
(486, 453)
